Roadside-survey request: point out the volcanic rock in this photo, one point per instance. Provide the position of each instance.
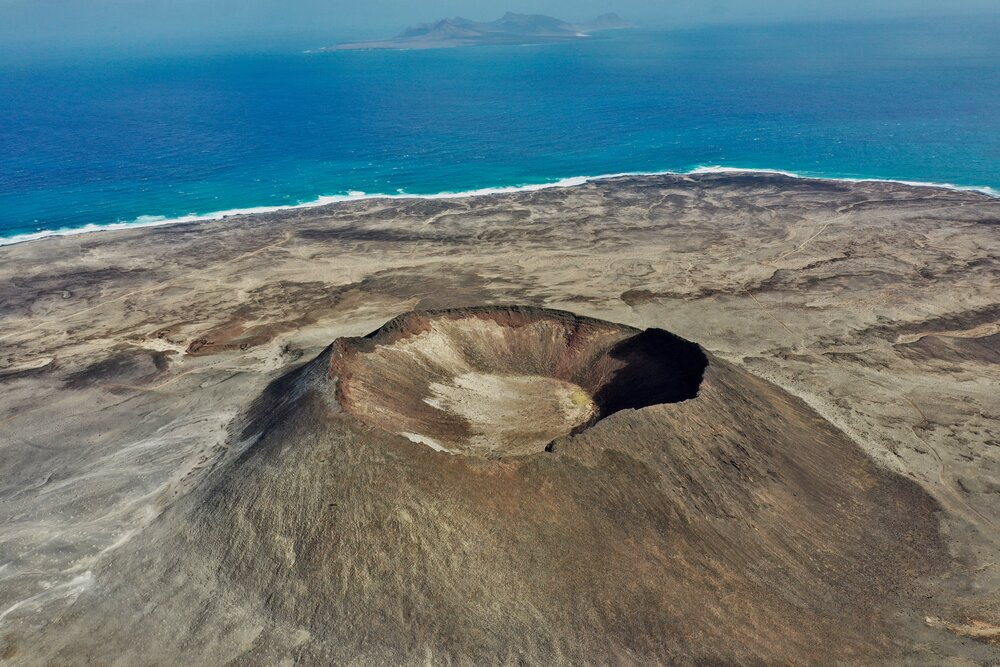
(492, 382)
(518, 485)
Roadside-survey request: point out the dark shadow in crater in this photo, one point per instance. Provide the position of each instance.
(657, 367)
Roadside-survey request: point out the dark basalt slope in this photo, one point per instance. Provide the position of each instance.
(721, 522)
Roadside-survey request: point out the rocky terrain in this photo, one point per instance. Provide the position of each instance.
(195, 474)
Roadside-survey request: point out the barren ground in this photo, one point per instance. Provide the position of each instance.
(125, 355)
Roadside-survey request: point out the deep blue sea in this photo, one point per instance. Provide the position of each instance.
(95, 141)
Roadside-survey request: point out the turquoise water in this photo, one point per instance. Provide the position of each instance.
(119, 140)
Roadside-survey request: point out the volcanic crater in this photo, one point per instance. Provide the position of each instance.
(507, 381)
(738, 528)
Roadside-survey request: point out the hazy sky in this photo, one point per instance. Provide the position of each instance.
(60, 24)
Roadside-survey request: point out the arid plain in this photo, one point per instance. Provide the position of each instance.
(864, 316)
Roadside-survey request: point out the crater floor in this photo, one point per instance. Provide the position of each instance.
(509, 412)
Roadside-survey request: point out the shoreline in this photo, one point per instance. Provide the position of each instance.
(353, 196)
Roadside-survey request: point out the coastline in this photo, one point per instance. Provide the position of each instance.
(567, 182)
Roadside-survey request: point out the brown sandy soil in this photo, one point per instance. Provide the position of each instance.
(132, 511)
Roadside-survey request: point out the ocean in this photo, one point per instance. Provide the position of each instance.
(95, 142)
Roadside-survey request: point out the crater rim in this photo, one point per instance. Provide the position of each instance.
(505, 381)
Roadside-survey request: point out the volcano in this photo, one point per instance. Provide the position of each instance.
(505, 485)
(491, 383)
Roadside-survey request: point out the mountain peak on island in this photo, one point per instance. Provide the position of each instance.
(531, 24)
(510, 29)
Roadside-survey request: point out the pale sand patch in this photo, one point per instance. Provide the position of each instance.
(424, 440)
(505, 410)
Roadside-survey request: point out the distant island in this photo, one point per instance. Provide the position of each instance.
(511, 29)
